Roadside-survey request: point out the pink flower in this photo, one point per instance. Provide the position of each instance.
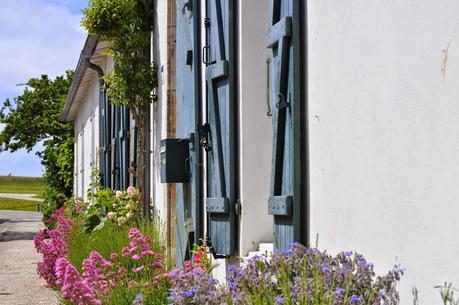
(125, 251)
(113, 256)
(74, 287)
(157, 265)
(53, 248)
(197, 256)
(148, 253)
(137, 257)
(138, 269)
(131, 191)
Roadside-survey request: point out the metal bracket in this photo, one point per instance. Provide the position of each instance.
(204, 136)
(280, 205)
(217, 205)
(238, 207)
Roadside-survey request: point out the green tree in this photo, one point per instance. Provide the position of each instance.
(127, 25)
(33, 118)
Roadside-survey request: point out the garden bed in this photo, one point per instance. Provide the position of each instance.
(92, 257)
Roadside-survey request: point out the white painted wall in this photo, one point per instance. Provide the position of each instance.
(159, 109)
(255, 126)
(384, 135)
(87, 139)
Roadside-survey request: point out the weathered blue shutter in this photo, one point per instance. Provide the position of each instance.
(124, 147)
(106, 140)
(188, 96)
(221, 99)
(285, 200)
(134, 141)
(116, 123)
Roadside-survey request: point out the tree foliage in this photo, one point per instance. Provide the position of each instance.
(33, 118)
(127, 25)
(34, 115)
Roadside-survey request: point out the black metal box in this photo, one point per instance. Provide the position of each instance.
(175, 158)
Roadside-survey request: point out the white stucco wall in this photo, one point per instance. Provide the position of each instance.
(159, 109)
(87, 139)
(384, 135)
(255, 126)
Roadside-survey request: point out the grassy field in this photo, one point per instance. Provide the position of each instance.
(18, 205)
(21, 185)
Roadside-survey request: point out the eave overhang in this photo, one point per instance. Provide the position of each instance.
(83, 77)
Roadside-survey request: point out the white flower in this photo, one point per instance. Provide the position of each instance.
(128, 215)
(121, 221)
(118, 194)
(111, 215)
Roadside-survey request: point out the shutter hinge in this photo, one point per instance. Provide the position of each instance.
(238, 207)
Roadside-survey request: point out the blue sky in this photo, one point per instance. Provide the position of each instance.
(36, 37)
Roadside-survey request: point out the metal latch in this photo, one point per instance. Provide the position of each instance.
(204, 136)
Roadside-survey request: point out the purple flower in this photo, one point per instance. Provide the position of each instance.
(361, 261)
(369, 266)
(400, 270)
(355, 298)
(338, 292)
(138, 299)
(279, 300)
(348, 253)
(190, 292)
(325, 269)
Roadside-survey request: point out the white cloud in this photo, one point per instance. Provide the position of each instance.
(36, 37)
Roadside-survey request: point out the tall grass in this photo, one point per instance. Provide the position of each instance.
(17, 204)
(22, 185)
(111, 238)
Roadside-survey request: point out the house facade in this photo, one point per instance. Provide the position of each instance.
(296, 121)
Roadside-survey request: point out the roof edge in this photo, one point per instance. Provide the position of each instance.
(88, 50)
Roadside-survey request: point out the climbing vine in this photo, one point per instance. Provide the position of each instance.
(127, 25)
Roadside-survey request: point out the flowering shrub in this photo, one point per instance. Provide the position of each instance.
(52, 245)
(196, 286)
(296, 276)
(200, 258)
(124, 207)
(136, 267)
(117, 206)
(74, 287)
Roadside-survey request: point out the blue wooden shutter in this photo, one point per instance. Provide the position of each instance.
(221, 99)
(285, 199)
(188, 96)
(116, 184)
(124, 147)
(106, 140)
